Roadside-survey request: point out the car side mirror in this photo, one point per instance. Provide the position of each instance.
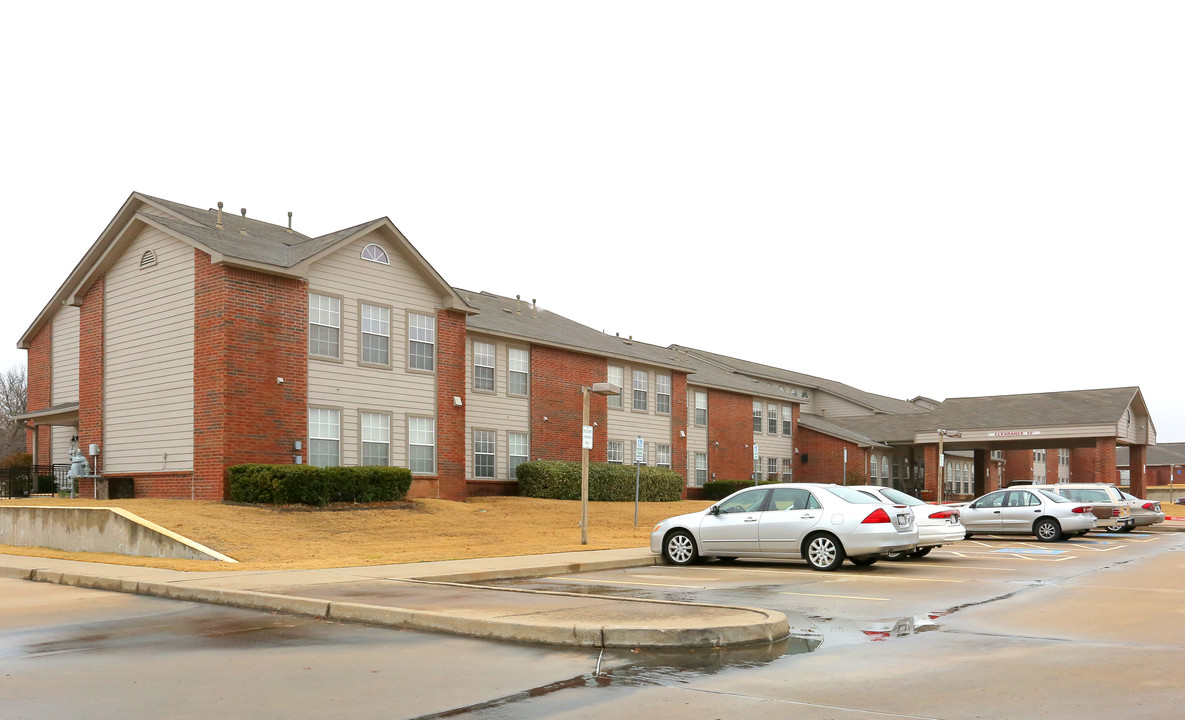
(714, 510)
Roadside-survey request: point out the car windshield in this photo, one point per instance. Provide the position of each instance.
(852, 495)
(901, 498)
(1053, 496)
(1081, 495)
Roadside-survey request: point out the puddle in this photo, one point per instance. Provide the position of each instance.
(842, 631)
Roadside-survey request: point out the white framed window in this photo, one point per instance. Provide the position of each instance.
(701, 468)
(641, 401)
(374, 253)
(324, 437)
(885, 470)
(421, 445)
(872, 470)
(519, 451)
(788, 420)
(771, 426)
(758, 414)
(421, 342)
(662, 456)
(615, 452)
(701, 408)
(520, 370)
(771, 468)
(662, 394)
(616, 377)
(376, 438)
(325, 322)
(483, 366)
(376, 334)
(756, 468)
(484, 442)
(787, 470)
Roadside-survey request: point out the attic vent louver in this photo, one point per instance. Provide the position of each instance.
(148, 259)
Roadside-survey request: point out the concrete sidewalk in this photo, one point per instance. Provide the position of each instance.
(432, 596)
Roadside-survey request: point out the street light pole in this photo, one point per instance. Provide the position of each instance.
(586, 393)
(942, 434)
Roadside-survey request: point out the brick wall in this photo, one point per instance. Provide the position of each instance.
(730, 436)
(1104, 461)
(1051, 465)
(1018, 466)
(556, 378)
(450, 419)
(40, 390)
(679, 424)
(90, 370)
(250, 328)
(1137, 455)
(1082, 465)
(825, 457)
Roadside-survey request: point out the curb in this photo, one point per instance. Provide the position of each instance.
(539, 570)
(771, 627)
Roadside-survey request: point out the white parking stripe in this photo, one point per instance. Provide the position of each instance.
(842, 597)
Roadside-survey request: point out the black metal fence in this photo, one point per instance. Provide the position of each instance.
(32, 480)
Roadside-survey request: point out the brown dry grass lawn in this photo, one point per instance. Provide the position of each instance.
(269, 538)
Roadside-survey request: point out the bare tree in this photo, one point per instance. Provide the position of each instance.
(14, 398)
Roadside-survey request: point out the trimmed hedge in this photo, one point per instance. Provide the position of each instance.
(308, 485)
(560, 480)
(720, 489)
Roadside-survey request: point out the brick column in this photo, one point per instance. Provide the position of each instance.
(1052, 466)
(930, 469)
(679, 426)
(1137, 455)
(1082, 464)
(982, 463)
(1018, 466)
(1104, 460)
(450, 419)
(730, 435)
(90, 373)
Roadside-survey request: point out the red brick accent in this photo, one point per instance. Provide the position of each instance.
(1104, 461)
(90, 370)
(40, 390)
(825, 458)
(450, 419)
(679, 425)
(1051, 465)
(556, 378)
(1082, 465)
(1018, 466)
(1137, 457)
(491, 488)
(249, 329)
(730, 435)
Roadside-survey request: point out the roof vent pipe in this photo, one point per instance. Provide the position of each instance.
(534, 309)
(518, 301)
(219, 223)
(243, 225)
(289, 221)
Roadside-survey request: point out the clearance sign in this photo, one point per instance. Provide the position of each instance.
(1014, 433)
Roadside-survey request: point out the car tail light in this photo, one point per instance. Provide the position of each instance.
(1083, 509)
(1115, 512)
(944, 514)
(877, 516)
(1149, 506)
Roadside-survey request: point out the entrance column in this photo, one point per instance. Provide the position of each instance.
(981, 472)
(930, 470)
(1137, 456)
(1104, 461)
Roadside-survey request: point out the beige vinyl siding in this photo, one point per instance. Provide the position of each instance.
(60, 443)
(494, 411)
(351, 387)
(148, 356)
(626, 424)
(64, 373)
(697, 436)
(778, 445)
(828, 405)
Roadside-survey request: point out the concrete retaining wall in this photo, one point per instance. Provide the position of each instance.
(109, 530)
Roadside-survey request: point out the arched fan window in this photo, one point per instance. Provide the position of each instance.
(374, 253)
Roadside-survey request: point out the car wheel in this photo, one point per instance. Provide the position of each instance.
(864, 561)
(1114, 528)
(921, 552)
(896, 555)
(679, 548)
(823, 552)
(1129, 528)
(1047, 530)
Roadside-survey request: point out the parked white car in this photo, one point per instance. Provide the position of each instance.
(822, 524)
(937, 524)
(1026, 510)
(1144, 512)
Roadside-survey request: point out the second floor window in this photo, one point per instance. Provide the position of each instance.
(772, 425)
(757, 415)
(616, 377)
(641, 402)
(520, 370)
(662, 390)
(701, 408)
(376, 334)
(421, 342)
(787, 420)
(483, 366)
(325, 322)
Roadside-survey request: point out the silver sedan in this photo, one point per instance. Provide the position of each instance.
(1027, 511)
(822, 524)
(937, 524)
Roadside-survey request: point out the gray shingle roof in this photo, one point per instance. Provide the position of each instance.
(818, 424)
(878, 403)
(1159, 454)
(1075, 407)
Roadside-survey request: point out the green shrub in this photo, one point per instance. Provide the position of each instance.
(720, 489)
(304, 484)
(560, 480)
(47, 484)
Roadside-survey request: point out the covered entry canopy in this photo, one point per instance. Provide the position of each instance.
(1095, 419)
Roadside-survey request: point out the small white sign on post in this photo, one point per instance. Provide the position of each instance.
(640, 451)
(756, 451)
(586, 439)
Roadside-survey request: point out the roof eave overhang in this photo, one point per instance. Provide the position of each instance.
(61, 415)
(576, 349)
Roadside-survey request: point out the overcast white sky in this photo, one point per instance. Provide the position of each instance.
(915, 198)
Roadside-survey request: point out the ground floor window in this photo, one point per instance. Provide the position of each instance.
(663, 456)
(519, 451)
(376, 439)
(787, 470)
(484, 442)
(421, 440)
(771, 468)
(701, 468)
(615, 452)
(324, 437)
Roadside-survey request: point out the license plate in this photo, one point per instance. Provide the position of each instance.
(903, 520)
